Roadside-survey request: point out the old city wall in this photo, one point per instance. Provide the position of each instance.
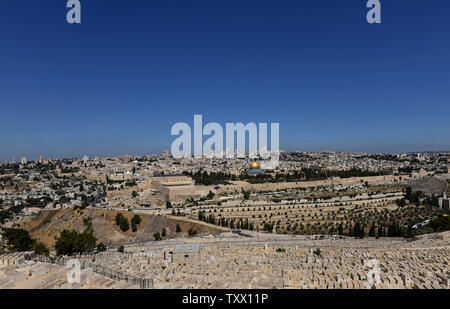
(237, 187)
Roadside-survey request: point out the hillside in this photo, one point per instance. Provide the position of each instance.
(49, 224)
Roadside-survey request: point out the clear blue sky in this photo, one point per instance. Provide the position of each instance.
(120, 80)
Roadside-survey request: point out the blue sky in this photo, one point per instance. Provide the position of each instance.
(117, 82)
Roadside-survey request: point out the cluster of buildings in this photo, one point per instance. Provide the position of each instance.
(388, 163)
(153, 180)
(231, 260)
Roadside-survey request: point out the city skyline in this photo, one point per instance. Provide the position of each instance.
(158, 153)
(118, 81)
(224, 149)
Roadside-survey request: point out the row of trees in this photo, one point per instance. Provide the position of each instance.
(158, 236)
(231, 223)
(72, 242)
(20, 240)
(124, 225)
(392, 230)
(68, 242)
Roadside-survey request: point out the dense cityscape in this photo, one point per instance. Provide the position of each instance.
(122, 213)
(231, 152)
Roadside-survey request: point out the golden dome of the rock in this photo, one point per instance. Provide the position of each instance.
(254, 165)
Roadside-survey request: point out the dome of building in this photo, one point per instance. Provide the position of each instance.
(254, 165)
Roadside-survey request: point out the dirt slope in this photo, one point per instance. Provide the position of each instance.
(49, 224)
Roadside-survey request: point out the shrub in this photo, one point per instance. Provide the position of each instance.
(18, 239)
(122, 222)
(101, 247)
(72, 242)
(157, 236)
(134, 222)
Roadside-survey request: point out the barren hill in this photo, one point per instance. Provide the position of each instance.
(49, 224)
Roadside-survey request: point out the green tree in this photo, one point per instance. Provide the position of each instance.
(157, 236)
(401, 202)
(408, 193)
(101, 247)
(192, 232)
(72, 242)
(440, 224)
(268, 227)
(358, 231)
(118, 218)
(394, 230)
(135, 221)
(210, 195)
(410, 232)
(122, 222)
(246, 194)
(18, 239)
(372, 231)
(340, 229)
(380, 231)
(124, 225)
(41, 249)
(178, 228)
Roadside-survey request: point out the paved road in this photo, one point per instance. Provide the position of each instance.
(98, 197)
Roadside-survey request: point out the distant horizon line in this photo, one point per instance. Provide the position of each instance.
(18, 159)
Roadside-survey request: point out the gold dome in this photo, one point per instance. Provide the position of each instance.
(254, 165)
